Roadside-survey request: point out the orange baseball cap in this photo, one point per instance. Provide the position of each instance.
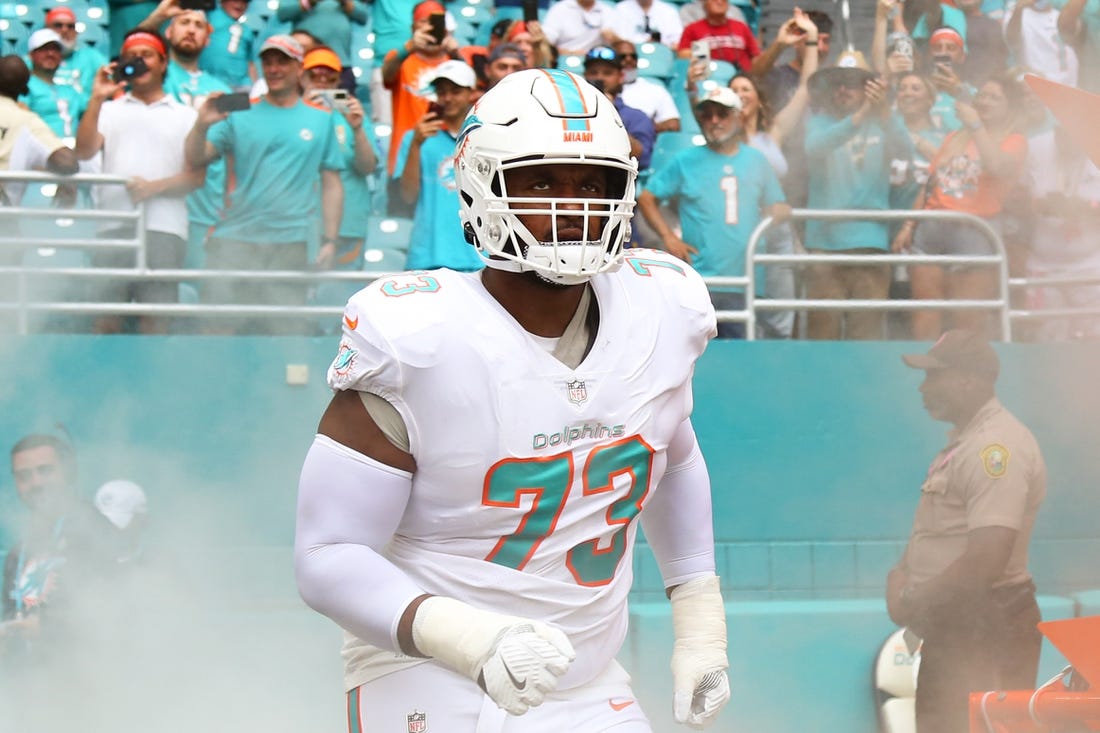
(61, 13)
(322, 56)
(426, 8)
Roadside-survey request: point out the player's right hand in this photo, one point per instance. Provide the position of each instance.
(517, 661)
(525, 665)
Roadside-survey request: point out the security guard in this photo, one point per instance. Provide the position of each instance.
(962, 583)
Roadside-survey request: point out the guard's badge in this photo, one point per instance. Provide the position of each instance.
(418, 722)
(578, 393)
(994, 460)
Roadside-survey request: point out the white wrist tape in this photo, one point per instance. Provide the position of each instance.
(516, 660)
(699, 662)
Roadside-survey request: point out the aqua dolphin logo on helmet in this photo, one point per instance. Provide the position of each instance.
(543, 117)
(471, 123)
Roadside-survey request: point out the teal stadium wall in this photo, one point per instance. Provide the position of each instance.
(816, 452)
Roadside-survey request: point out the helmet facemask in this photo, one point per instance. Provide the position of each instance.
(603, 223)
(546, 117)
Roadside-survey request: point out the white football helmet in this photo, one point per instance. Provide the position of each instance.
(541, 117)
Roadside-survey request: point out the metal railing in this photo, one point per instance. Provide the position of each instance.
(753, 258)
(10, 216)
(26, 277)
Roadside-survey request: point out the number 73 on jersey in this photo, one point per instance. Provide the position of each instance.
(624, 467)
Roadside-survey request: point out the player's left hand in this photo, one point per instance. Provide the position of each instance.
(700, 686)
(697, 704)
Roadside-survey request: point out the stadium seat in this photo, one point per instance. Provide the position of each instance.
(683, 101)
(465, 32)
(479, 15)
(13, 36)
(571, 62)
(188, 294)
(668, 145)
(387, 233)
(92, 15)
(95, 35)
(679, 75)
(655, 61)
(383, 260)
(51, 289)
(722, 71)
(256, 21)
(271, 27)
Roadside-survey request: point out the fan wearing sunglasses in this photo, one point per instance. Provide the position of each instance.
(79, 61)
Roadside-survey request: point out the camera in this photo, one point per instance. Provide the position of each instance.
(130, 69)
(331, 98)
(439, 27)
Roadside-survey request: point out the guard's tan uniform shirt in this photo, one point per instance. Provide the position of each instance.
(991, 474)
(15, 121)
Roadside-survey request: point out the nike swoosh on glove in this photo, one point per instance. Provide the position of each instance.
(517, 661)
(701, 687)
(525, 665)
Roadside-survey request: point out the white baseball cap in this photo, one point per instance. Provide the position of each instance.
(43, 37)
(120, 501)
(456, 71)
(720, 95)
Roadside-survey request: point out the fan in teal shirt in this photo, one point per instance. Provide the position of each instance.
(721, 201)
(321, 77)
(329, 21)
(203, 204)
(59, 105)
(78, 69)
(232, 46)
(274, 157)
(437, 239)
(850, 169)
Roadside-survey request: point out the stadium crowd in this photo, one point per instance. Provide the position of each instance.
(266, 139)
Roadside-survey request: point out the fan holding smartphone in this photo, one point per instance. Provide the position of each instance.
(404, 70)
(425, 173)
(142, 133)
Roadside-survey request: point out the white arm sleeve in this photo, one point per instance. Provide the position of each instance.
(678, 523)
(349, 506)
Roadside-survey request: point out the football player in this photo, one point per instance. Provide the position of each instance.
(468, 509)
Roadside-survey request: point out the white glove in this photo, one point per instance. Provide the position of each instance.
(517, 661)
(700, 687)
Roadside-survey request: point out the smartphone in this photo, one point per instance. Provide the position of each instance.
(206, 5)
(530, 10)
(700, 51)
(232, 102)
(942, 60)
(439, 26)
(332, 98)
(435, 108)
(130, 69)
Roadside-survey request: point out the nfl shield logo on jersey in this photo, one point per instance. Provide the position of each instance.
(577, 391)
(418, 722)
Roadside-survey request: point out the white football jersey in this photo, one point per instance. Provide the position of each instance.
(530, 475)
